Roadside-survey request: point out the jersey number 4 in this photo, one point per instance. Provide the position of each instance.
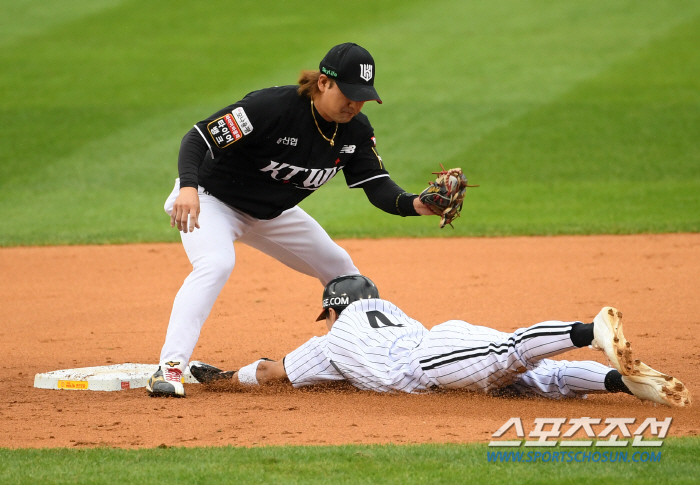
(376, 317)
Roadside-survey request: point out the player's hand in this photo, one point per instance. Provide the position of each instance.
(186, 204)
(422, 209)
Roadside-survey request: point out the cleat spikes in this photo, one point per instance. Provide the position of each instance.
(645, 383)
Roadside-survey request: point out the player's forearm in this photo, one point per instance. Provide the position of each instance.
(264, 372)
(384, 194)
(269, 371)
(193, 149)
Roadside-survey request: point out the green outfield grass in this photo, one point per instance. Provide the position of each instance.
(677, 463)
(574, 117)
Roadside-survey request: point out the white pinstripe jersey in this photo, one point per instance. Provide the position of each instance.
(371, 345)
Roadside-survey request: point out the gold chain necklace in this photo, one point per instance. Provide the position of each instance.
(329, 140)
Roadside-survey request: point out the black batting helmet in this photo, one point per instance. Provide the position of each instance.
(343, 290)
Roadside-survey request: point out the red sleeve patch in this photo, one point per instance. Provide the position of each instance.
(224, 131)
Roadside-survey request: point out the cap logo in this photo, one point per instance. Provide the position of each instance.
(330, 73)
(366, 71)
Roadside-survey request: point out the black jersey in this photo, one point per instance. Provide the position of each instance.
(266, 154)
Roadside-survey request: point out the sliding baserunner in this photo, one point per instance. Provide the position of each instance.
(375, 346)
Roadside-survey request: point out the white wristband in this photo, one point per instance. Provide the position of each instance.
(246, 375)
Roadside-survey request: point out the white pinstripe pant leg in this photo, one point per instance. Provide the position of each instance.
(561, 378)
(459, 355)
(456, 354)
(542, 340)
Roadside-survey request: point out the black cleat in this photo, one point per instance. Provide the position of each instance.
(208, 374)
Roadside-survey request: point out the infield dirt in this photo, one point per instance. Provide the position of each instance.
(81, 306)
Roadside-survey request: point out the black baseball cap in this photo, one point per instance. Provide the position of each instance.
(352, 68)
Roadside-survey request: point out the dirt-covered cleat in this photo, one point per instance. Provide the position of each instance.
(208, 374)
(608, 337)
(647, 383)
(643, 381)
(166, 383)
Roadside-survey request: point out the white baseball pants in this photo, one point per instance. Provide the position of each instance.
(294, 238)
(456, 354)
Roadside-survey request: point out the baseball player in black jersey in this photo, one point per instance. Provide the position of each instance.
(375, 346)
(242, 172)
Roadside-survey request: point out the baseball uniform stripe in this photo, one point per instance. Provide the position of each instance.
(205, 141)
(461, 354)
(504, 345)
(474, 353)
(367, 180)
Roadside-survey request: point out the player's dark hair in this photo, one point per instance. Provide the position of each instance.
(339, 309)
(308, 83)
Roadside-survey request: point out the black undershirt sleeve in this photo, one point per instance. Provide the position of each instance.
(193, 149)
(389, 197)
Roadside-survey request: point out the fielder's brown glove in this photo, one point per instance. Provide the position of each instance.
(445, 196)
